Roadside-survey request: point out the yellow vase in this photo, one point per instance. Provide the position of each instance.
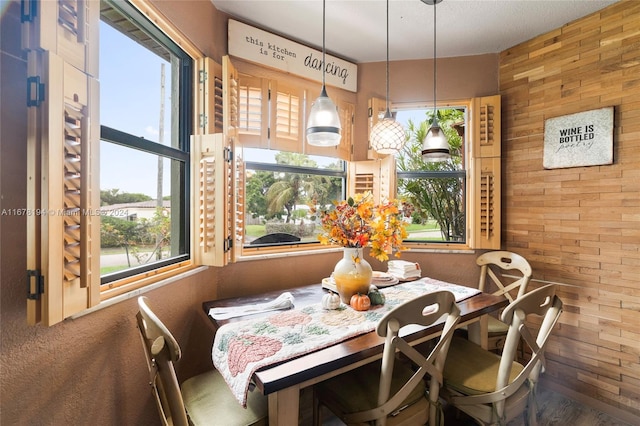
(352, 274)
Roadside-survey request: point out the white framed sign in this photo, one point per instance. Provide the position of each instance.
(268, 49)
(578, 140)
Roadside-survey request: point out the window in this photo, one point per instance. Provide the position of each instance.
(437, 191)
(74, 220)
(279, 187)
(145, 98)
(457, 202)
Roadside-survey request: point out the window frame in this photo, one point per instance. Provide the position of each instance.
(184, 122)
(463, 173)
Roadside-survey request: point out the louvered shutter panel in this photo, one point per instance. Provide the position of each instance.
(211, 175)
(346, 111)
(377, 109)
(208, 108)
(486, 184)
(253, 126)
(376, 176)
(286, 132)
(63, 183)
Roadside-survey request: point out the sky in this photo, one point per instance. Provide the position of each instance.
(130, 101)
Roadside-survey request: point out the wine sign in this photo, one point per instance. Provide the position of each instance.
(578, 140)
(270, 50)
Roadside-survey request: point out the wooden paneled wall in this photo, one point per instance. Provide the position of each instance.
(580, 227)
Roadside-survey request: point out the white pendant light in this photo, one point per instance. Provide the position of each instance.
(323, 125)
(435, 147)
(387, 136)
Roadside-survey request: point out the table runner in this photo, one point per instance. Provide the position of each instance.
(242, 347)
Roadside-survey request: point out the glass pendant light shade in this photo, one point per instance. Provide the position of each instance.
(435, 146)
(387, 136)
(323, 126)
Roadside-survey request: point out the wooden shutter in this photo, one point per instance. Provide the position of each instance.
(376, 111)
(347, 113)
(285, 128)
(253, 113)
(376, 176)
(211, 178)
(208, 105)
(215, 175)
(63, 230)
(486, 191)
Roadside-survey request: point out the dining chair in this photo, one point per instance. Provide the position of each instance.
(204, 399)
(492, 388)
(393, 391)
(506, 263)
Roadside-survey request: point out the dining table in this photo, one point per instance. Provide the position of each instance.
(282, 378)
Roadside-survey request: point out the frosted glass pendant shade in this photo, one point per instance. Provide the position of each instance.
(323, 126)
(435, 147)
(387, 136)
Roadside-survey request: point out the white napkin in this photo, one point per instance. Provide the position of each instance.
(284, 301)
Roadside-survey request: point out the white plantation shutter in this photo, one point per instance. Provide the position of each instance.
(208, 106)
(217, 176)
(253, 110)
(286, 130)
(63, 231)
(486, 177)
(376, 176)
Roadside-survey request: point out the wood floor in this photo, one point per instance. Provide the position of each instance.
(554, 409)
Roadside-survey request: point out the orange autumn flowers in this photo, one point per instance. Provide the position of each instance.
(357, 222)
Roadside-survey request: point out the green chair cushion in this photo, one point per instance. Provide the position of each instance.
(357, 390)
(496, 327)
(472, 370)
(208, 400)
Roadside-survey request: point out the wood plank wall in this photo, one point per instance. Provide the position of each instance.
(580, 227)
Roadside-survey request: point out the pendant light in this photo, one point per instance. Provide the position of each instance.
(323, 125)
(435, 147)
(387, 136)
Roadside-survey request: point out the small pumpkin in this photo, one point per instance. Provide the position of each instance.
(331, 301)
(376, 297)
(360, 302)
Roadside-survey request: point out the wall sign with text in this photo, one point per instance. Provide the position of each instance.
(578, 140)
(267, 49)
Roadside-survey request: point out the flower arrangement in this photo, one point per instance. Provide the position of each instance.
(357, 222)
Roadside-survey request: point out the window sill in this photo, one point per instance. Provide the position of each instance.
(110, 300)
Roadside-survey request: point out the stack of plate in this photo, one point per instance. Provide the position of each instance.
(403, 270)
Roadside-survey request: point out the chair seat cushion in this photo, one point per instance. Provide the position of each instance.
(472, 370)
(209, 401)
(357, 390)
(496, 327)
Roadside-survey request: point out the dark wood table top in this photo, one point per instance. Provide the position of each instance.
(324, 361)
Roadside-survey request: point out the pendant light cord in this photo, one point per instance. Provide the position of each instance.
(435, 60)
(387, 55)
(324, 66)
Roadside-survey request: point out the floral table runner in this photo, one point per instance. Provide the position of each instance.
(240, 348)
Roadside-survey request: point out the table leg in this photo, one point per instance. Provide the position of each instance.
(284, 406)
(479, 332)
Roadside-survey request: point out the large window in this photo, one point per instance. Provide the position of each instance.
(437, 190)
(280, 186)
(145, 117)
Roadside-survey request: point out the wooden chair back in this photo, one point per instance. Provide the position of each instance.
(506, 261)
(542, 303)
(161, 351)
(423, 311)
